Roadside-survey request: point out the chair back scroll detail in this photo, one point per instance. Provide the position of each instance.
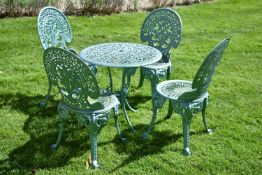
(162, 29)
(53, 28)
(204, 75)
(76, 82)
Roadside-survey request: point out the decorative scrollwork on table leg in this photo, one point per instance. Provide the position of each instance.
(116, 115)
(141, 79)
(130, 72)
(110, 88)
(124, 94)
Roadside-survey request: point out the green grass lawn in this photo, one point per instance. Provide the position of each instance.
(234, 111)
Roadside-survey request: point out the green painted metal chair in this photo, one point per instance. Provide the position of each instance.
(188, 98)
(161, 29)
(54, 31)
(80, 94)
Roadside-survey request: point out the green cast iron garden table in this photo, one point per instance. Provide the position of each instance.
(121, 55)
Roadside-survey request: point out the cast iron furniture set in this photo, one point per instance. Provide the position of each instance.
(75, 76)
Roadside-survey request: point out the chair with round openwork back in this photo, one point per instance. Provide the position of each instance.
(80, 94)
(188, 97)
(54, 31)
(161, 29)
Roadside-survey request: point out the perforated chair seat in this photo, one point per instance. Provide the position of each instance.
(173, 89)
(107, 102)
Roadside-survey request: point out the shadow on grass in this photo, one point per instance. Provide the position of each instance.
(138, 148)
(138, 99)
(42, 127)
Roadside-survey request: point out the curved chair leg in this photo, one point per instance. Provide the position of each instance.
(93, 132)
(142, 78)
(116, 115)
(47, 97)
(186, 121)
(170, 110)
(63, 114)
(145, 134)
(209, 131)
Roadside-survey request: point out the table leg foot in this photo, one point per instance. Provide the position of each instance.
(144, 136)
(53, 147)
(123, 138)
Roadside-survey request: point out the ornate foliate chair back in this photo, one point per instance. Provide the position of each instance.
(53, 28)
(75, 81)
(162, 29)
(204, 75)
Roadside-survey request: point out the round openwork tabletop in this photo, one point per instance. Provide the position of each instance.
(120, 55)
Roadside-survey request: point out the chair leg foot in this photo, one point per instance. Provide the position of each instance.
(54, 147)
(144, 136)
(42, 104)
(123, 138)
(186, 152)
(94, 164)
(209, 131)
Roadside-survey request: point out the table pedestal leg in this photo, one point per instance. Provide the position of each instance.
(110, 79)
(124, 102)
(130, 107)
